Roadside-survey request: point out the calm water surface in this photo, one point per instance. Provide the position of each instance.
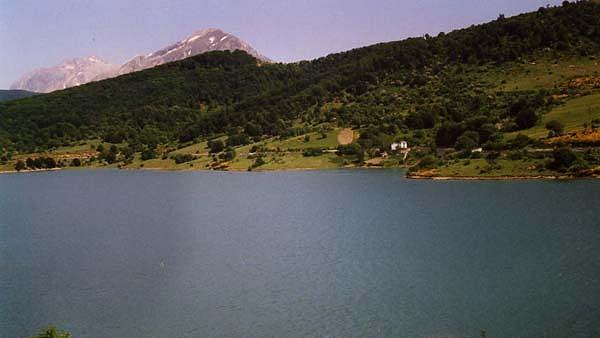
(297, 254)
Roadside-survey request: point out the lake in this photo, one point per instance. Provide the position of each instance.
(343, 253)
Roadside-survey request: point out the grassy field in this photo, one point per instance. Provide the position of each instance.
(329, 142)
(541, 73)
(502, 167)
(573, 114)
(295, 160)
(196, 148)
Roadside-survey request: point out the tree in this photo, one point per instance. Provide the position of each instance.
(526, 118)
(448, 133)
(555, 127)
(148, 154)
(467, 141)
(420, 120)
(228, 154)
(76, 162)
(20, 165)
(216, 146)
(563, 158)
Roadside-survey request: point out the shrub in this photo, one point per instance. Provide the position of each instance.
(76, 162)
(20, 165)
(228, 155)
(562, 159)
(312, 152)
(349, 149)
(555, 127)
(467, 141)
(148, 154)
(182, 158)
(216, 146)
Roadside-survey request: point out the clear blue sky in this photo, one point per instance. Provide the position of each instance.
(43, 32)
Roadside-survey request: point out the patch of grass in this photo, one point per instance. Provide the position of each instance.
(196, 148)
(541, 73)
(573, 114)
(501, 167)
(295, 160)
(298, 142)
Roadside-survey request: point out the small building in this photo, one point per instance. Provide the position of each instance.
(477, 150)
(402, 145)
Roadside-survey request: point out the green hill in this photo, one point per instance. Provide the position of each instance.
(13, 94)
(481, 82)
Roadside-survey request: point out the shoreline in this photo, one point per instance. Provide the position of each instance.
(408, 175)
(501, 178)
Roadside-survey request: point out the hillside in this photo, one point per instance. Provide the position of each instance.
(480, 86)
(6, 95)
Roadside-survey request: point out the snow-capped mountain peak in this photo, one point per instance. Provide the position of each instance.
(74, 72)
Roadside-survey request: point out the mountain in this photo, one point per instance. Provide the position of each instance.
(79, 71)
(203, 41)
(431, 90)
(6, 95)
(69, 73)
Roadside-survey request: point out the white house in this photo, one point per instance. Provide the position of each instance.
(402, 145)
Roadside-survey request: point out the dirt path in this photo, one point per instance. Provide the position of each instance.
(346, 136)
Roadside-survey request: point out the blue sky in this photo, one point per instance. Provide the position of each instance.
(43, 33)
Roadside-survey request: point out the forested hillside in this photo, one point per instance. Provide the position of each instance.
(429, 89)
(13, 94)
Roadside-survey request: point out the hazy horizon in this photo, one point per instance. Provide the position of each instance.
(284, 31)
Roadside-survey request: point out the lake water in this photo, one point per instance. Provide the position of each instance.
(356, 253)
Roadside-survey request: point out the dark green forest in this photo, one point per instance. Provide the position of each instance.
(425, 84)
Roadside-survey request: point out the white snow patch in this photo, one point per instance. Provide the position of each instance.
(211, 39)
(172, 50)
(195, 37)
(225, 37)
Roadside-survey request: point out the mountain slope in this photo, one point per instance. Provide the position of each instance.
(436, 85)
(203, 41)
(75, 72)
(72, 72)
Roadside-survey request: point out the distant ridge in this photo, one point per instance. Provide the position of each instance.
(14, 94)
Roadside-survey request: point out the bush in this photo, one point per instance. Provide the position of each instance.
(148, 154)
(526, 119)
(258, 162)
(555, 127)
(520, 141)
(563, 159)
(312, 152)
(182, 158)
(76, 162)
(228, 155)
(237, 140)
(349, 149)
(467, 141)
(20, 165)
(216, 146)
